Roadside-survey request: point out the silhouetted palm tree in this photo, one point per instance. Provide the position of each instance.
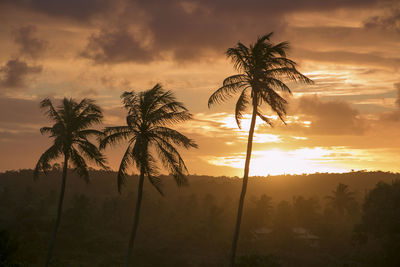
(342, 199)
(261, 67)
(71, 141)
(149, 114)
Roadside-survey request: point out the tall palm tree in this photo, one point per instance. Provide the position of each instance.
(261, 67)
(149, 114)
(342, 199)
(71, 134)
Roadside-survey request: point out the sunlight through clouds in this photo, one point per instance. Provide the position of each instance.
(304, 160)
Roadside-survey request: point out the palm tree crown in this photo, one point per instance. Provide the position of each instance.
(261, 67)
(71, 134)
(342, 198)
(149, 114)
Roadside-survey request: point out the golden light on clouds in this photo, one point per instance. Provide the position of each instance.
(350, 118)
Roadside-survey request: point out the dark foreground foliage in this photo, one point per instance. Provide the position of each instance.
(290, 220)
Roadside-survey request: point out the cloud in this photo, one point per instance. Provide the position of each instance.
(330, 117)
(183, 30)
(393, 116)
(351, 58)
(73, 9)
(388, 21)
(86, 10)
(29, 44)
(15, 73)
(116, 46)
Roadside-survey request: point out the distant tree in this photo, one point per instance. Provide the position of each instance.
(283, 217)
(149, 114)
(71, 134)
(342, 199)
(258, 214)
(306, 211)
(262, 66)
(381, 220)
(263, 207)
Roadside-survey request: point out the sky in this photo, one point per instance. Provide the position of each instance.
(348, 120)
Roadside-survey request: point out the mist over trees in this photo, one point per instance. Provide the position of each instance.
(289, 220)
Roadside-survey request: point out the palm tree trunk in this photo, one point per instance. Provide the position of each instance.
(244, 184)
(59, 211)
(136, 219)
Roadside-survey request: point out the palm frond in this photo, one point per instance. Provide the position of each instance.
(239, 56)
(172, 117)
(47, 130)
(90, 132)
(225, 92)
(235, 79)
(156, 182)
(43, 163)
(289, 72)
(51, 112)
(264, 118)
(80, 165)
(92, 153)
(172, 161)
(277, 103)
(241, 106)
(113, 135)
(173, 136)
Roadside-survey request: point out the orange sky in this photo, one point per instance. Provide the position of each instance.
(350, 118)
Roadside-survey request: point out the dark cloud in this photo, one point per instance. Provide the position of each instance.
(29, 44)
(388, 21)
(74, 9)
(330, 117)
(15, 73)
(116, 46)
(87, 9)
(181, 29)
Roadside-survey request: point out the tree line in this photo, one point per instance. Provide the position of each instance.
(192, 226)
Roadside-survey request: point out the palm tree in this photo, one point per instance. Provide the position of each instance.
(149, 114)
(71, 134)
(261, 67)
(342, 199)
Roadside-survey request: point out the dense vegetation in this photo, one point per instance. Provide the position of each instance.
(192, 226)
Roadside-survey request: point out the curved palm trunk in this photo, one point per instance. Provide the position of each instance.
(136, 219)
(244, 184)
(59, 211)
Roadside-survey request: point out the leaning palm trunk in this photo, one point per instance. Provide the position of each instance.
(59, 211)
(136, 219)
(244, 184)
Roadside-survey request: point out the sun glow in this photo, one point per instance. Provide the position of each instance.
(277, 161)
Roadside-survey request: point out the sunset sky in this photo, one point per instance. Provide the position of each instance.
(349, 119)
